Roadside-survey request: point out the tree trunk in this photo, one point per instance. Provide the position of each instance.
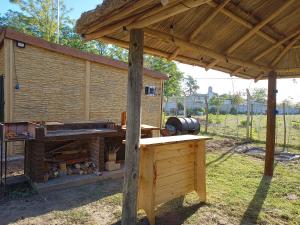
(133, 133)
(271, 125)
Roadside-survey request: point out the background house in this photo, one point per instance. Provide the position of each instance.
(49, 82)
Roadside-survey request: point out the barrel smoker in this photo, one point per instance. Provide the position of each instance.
(180, 126)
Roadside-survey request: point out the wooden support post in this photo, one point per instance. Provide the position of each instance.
(248, 115)
(271, 124)
(284, 126)
(133, 132)
(206, 113)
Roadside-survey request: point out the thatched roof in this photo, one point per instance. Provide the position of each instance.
(244, 38)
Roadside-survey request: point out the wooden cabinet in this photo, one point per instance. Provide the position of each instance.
(170, 167)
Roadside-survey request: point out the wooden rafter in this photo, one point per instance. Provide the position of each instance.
(211, 65)
(265, 52)
(185, 44)
(146, 18)
(262, 54)
(236, 71)
(255, 29)
(208, 19)
(174, 54)
(167, 13)
(242, 22)
(285, 50)
(258, 27)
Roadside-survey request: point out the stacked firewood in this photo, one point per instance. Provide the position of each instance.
(68, 159)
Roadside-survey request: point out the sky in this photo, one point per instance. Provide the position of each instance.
(221, 82)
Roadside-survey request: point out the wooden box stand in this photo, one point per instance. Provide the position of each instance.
(170, 167)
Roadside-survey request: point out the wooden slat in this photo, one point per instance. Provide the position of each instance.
(203, 50)
(200, 172)
(285, 50)
(161, 182)
(166, 165)
(174, 191)
(173, 150)
(183, 6)
(208, 19)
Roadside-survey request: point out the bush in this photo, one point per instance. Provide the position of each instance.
(243, 123)
(233, 111)
(296, 125)
(213, 110)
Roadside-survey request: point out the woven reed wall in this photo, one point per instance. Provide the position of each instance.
(108, 96)
(2, 60)
(52, 88)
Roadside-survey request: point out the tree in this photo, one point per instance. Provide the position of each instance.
(39, 18)
(191, 85)
(237, 99)
(217, 101)
(172, 86)
(259, 95)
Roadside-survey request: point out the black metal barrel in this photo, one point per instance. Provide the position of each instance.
(180, 125)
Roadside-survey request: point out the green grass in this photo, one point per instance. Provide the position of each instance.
(238, 193)
(233, 126)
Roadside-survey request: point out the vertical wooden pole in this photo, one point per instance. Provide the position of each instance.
(284, 126)
(248, 115)
(133, 131)
(271, 125)
(206, 114)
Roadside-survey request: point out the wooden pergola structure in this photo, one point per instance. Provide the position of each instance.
(257, 39)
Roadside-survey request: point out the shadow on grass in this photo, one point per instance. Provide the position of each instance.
(172, 212)
(222, 158)
(59, 200)
(251, 214)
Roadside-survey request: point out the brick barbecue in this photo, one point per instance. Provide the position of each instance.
(61, 149)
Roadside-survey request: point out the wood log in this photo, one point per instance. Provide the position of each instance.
(133, 133)
(271, 125)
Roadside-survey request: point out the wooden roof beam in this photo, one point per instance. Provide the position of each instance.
(181, 7)
(174, 54)
(146, 18)
(184, 44)
(258, 27)
(208, 19)
(287, 48)
(254, 30)
(262, 54)
(242, 22)
(236, 71)
(274, 46)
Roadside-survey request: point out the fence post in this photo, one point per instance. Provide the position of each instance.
(206, 114)
(251, 122)
(248, 115)
(284, 126)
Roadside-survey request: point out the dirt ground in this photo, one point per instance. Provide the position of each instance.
(100, 203)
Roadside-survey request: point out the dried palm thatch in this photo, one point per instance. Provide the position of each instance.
(244, 38)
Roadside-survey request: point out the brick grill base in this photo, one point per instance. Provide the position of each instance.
(36, 167)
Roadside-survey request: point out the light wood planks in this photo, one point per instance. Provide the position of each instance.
(169, 170)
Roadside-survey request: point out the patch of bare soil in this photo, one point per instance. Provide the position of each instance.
(89, 204)
(223, 144)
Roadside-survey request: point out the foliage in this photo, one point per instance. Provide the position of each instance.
(233, 111)
(216, 101)
(180, 106)
(236, 99)
(259, 95)
(39, 18)
(172, 86)
(191, 86)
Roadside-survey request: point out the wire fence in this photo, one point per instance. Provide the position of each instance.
(245, 122)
